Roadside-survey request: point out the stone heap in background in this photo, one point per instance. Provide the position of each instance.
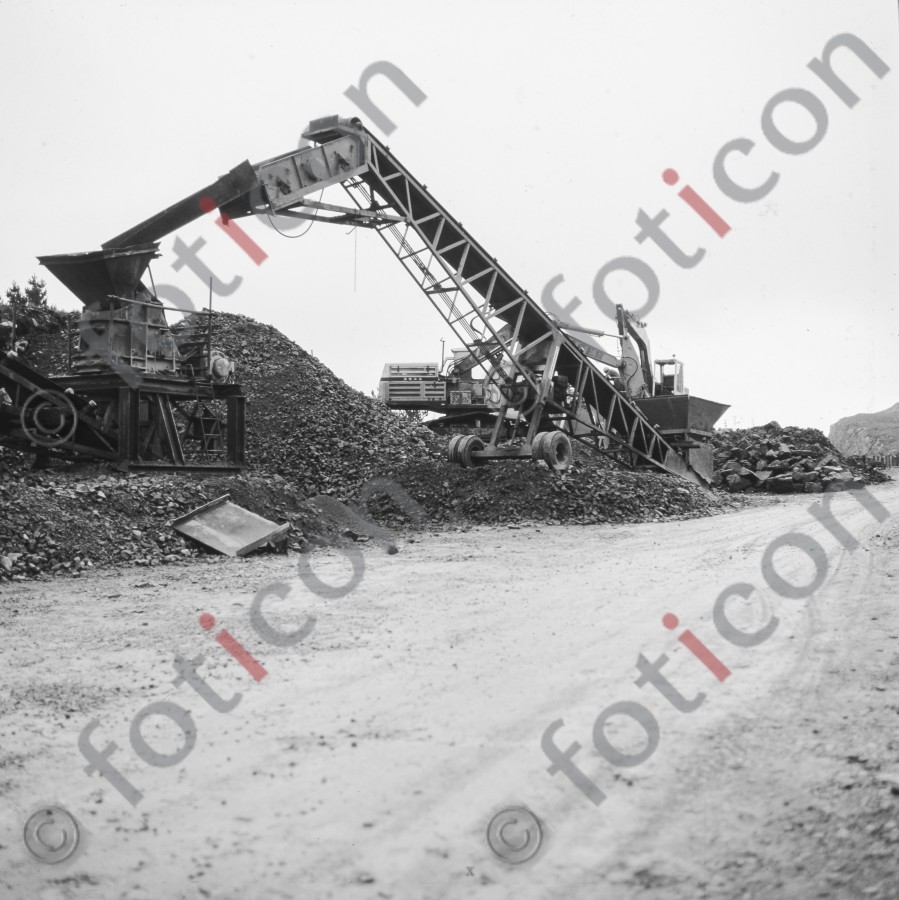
(785, 460)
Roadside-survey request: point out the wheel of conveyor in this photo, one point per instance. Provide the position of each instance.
(466, 447)
(537, 445)
(556, 449)
(452, 449)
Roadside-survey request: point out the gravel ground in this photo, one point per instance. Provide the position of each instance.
(369, 760)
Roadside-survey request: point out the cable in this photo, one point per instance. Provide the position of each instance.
(302, 233)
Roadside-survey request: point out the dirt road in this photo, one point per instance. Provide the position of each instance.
(370, 757)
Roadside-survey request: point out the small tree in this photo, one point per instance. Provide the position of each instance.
(16, 300)
(14, 296)
(34, 298)
(36, 292)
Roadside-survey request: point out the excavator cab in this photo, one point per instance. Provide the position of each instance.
(669, 378)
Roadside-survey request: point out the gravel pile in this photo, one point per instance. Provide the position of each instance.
(785, 460)
(591, 491)
(308, 434)
(307, 425)
(63, 521)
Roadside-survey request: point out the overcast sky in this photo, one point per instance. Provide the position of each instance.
(545, 129)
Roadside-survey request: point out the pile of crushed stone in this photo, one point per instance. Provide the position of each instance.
(63, 521)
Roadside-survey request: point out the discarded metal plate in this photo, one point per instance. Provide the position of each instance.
(229, 528)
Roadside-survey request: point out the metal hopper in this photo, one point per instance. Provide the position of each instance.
(686, 422)
(681, 413)
(93, 276)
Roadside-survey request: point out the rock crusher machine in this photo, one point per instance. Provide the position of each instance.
(137, 392)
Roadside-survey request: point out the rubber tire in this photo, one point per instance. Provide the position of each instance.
(452, 449)
(556, 449)
(537, 445)
(466, 446)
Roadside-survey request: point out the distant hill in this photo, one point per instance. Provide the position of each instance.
(867, 433)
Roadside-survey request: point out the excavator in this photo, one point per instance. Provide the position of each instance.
(548, 386)
(469, 402)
